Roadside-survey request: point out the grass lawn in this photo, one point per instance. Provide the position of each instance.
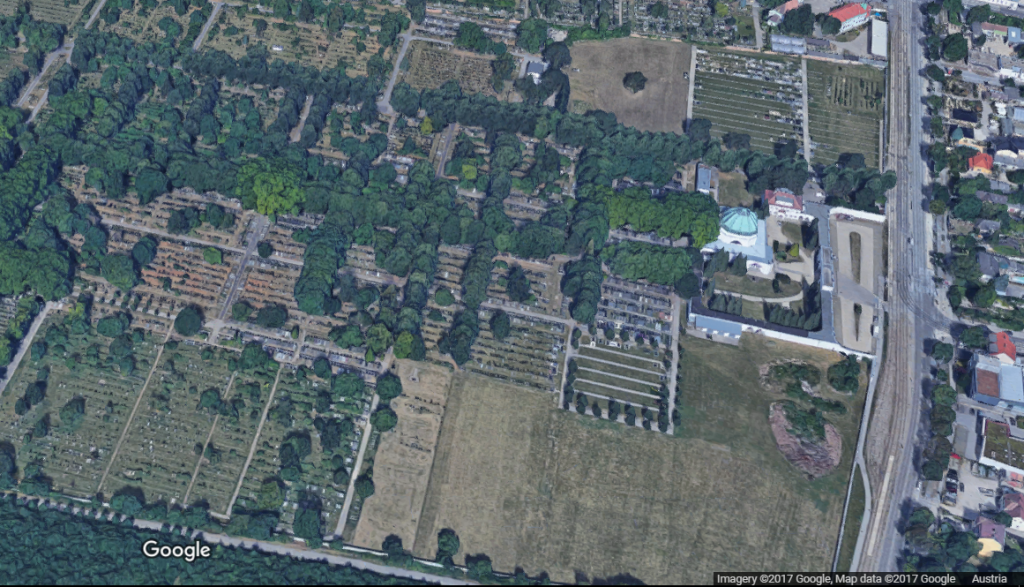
(1005, 250)
(753, 286)
(732, 190)
(546, 489)
(646, 361)
(754, 310)
(745, 26)
(853, 520)
(848, 36)
(792, 231)
(651, 375)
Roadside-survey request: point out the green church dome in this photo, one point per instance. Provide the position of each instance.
(739, 221)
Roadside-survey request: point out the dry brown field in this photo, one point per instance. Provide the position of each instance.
(401, 469)
(660, 106)
(536, 487)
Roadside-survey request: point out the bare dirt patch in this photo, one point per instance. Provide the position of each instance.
(401, 468)
(660, 106)
(813, 459)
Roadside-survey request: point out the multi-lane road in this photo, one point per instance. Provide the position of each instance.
(913, 317)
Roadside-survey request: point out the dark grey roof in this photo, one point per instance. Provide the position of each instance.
(534, 67)
(703, 178)
(992, 198)
(965, 115)
(988, 263)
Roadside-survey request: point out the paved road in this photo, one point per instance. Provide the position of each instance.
(206, 27)
(135, 409)
(913, 315)
(25, 344)
(351, 491)
(256, 232)
(758, 34)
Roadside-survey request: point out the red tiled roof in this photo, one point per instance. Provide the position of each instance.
(1013, 504)
(783, 198)
(845, 13)
(792, 4)
(988, 382)
(981, 161)
(1004, 346)
(987, 26)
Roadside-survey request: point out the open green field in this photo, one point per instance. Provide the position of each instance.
(160, 453)
(845, 107)
(74, 459)
(540, 488)
(734, 101)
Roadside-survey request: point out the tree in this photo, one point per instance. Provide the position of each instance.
(557, 55)
(322, 368)
(954, 48)
(448, 545)
(830, 25)
(150, 183)
(975, 337)
(944, 395)
(119, 271)
(384, 419)
(501, 325)
(937, 207)
(240, 311)
(518, 288)
(389, 386)
(531, 34)
(189, 321)
(272, 316)
(845, 375)
(634, 81)
(444, 297)
(799, 21)
(113, 325)
(213, 256)
(264, 249)
(688, 286)
(935, 72)
(942, 352)
(364, 487)
(270, 187)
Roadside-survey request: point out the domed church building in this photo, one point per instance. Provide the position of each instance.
(741, 232)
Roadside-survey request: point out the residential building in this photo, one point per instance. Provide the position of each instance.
(987, 227)
(1013, 504)
(992, 198)
(981, 163)
(995, 383)
(718, 330)
(775, 15)
(1010, 160)
(851, 16)
(784, 204)
(991, 535)
(1011, 67)
(993, 265)
(879, 38)
(965, 115)
(1013, 35)
(1001, 347)
(993, 30)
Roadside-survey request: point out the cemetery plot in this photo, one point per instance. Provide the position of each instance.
(528, 357)
(167, 436)
(9, 62)
(224, 456)
(749, 94)
(846, 105)
(59, 11)
(430, 65)
(82, 437)
(628, 376)
(450, 263)
(141, 23)
(128, 213)
(296, 405)
(271, 282)
(544, 285)
(279, 236)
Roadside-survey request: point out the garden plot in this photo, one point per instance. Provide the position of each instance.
(74, 459)
(225, 455)
(59, 11)
(846, 105)
(166, 438)
(528, 357)
(430, 65)
(752, 95)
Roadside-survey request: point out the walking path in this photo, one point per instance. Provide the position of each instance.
(297, 131)
(202, 454)
(607, 349)
(758, 34)
(586, 358)
(206, 27)
(95, 13)
(689, 89)
(24, 344)
(350, 492)
(807, 116)
(622, 377)
(793, 298)
(135, 409)
(672, 386)
(255, 442)
(622, 389)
